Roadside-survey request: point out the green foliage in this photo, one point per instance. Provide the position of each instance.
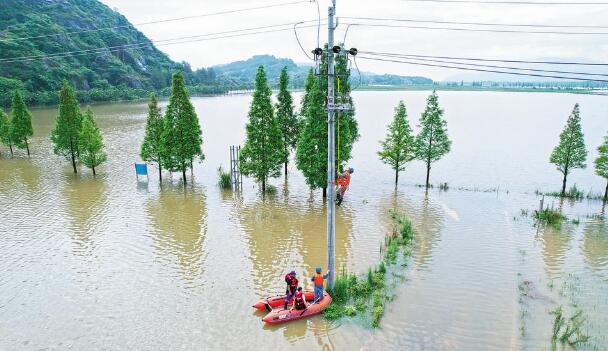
(5, 137)
(601, 162)
(377, 313)
(263, 152)
(151, 147)
(181, 138)
(570, 153)
(65, 135)
(568, 330)
(550, 216)
(432, 143)
(225, 182)
(398, 148)
(288, 121)
(21, 122)
(90, 142)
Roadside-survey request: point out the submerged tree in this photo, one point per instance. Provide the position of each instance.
(432, 143)
(570, 153)
(287, 119)
(90, 142)
(399, 147)
(601, 164)
(311, 150)
(151, 146)
(5, 136)
(21, 123)
(181, 135)
(263, 152)
(67, 125)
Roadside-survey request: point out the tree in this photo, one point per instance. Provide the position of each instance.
(311, 149)
(151, 146)
(288, 121)
(263, 152)
(67, 125)
(399, 147)
(601, 164)
(570, 153)
(90, 142)
(432, 143)
(181, 138)
(5, 136)
(21, 122)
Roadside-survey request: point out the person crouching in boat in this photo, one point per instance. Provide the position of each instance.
(292, 286)
(299, 301)
(318, 281)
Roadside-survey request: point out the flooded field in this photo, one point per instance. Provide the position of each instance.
(113, 263)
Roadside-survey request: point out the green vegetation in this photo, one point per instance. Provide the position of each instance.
(181, 138)
(67, 125)
(90, 142)
(571, 152)
(5, 137)
(432, 143)
(354, 295)
(151, 147)
(21, 123)
(288, 121)
(225, 181)
(551, 217)
(398, 148)
(572, 193)
(601, 164)
(264, 151)
(568, 330)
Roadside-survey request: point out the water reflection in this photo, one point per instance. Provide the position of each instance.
(595, 244)
(86, 201)
(178, 222)
(555, 244)
(282, 236)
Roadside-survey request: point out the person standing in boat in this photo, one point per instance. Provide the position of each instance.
(319, 280)
(292, 286)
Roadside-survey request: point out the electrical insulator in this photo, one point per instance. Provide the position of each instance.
(336, 49)
(353, 51)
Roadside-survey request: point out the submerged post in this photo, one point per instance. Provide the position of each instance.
(331, 158)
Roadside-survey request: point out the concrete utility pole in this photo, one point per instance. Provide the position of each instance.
(331, 157)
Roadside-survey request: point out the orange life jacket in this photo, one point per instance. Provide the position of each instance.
(347, 178)
(318, 279)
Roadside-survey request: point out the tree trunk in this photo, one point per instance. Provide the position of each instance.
(73, 156)
(325, 192)
(27, 147)
(264, 186)
(160, 173)
(564, 184)
(10, 146)
(396, 177)
(93, 168)
(285, 169)
(184, 173)
(606, 193)
(428, 172)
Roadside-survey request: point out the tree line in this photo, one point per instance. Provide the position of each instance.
(401, 146)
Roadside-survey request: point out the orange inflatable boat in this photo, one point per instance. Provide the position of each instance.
(272, 302)
(279, 315)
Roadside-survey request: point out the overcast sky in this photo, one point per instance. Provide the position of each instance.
(393, 40)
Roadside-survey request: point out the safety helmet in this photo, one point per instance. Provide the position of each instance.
(351, 170)
(292, 273)
(318, 269)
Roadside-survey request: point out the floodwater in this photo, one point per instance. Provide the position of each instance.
(115, 263)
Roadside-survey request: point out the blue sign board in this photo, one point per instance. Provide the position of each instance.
(141, 169)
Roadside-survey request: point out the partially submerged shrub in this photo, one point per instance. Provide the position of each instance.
(225, 181)
(551, 217)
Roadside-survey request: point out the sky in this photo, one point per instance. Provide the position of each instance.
(366, 38)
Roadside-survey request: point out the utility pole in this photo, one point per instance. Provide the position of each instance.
(331, 157)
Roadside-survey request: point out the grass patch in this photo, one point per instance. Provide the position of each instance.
(271, 189)
(572, 193)
(444, 186)
(225, 181)
(353, 295)
(568, 330)
(551, 217)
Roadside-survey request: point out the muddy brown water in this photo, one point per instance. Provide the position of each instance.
(113, 263)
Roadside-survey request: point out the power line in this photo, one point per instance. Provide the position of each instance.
(181, 40)
(476, 30)
(487, 66)
(498, 60)
(476, 23)
(157, 21)
(511, 2)
(483, 70)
